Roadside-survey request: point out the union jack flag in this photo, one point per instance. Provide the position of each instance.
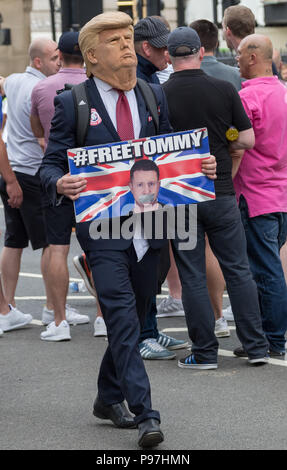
(108, 193)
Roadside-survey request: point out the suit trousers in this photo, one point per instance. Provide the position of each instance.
(221, 221)
(124, 287)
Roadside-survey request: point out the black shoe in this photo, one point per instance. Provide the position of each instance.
(150, 434)
(240, 352)
(256, 361)
(276, 353)
(117, 413)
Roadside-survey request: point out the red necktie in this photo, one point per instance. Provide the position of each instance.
(125, 126)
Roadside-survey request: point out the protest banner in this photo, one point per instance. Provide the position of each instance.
(175, 177)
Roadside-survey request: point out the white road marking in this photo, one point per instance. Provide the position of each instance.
(221, 352)
(76, 279)
(168, 330)
(37, 322)
(276, 362)
(224, 352)
(43, 297)
(39, 276)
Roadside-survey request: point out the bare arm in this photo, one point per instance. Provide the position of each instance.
(2, 81)
(38, 130)
(4, 121)
(245, 140)
(36, 126)
(12, 186)
(236, 156)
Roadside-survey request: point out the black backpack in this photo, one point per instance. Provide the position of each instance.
(83, 108)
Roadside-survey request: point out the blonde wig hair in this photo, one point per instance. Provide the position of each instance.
(89, 34)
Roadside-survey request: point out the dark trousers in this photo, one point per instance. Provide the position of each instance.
(124, 287)
(150, 329)
(221, 221)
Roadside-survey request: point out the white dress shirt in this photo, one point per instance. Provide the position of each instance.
(110, 97)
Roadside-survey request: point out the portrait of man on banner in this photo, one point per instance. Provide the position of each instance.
(145, 184)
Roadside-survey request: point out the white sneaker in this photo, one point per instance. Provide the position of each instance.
(227, 313)
(170, 307)
(14, 319)
(221, 328)
(47, 316)
(57, 333)
(73, 317)
(100, 328)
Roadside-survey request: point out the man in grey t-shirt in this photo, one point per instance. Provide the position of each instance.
(25, 155)
(208, 33)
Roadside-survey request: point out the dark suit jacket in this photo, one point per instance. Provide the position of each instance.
(63, 137)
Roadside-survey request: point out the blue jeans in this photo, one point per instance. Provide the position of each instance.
(265, 236)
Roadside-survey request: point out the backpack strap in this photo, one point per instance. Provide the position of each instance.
(82, 107)
(150, 101)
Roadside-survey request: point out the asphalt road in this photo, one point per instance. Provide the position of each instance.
(47, 389)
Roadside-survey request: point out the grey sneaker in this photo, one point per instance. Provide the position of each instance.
(150, 349)
(170, 307)
(171, 343)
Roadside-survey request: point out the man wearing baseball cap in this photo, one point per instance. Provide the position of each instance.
(58, 220)
(150, 37)
(197, 100)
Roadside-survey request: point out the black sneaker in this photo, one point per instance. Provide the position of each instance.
(83, 269)
(240, 352)
(276, 353)
(259, 361)
(190, 362)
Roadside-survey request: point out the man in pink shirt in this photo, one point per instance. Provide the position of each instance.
(59, 222)
(261, 184)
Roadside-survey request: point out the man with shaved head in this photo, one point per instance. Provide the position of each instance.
(44, 56)
(261, 184)
(25, 154)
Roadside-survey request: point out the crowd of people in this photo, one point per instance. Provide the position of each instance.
(240, 235)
